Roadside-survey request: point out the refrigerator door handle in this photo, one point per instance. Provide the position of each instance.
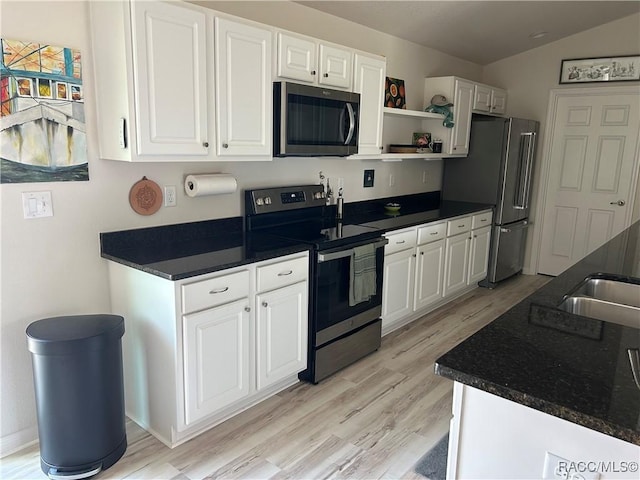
(519, 226)
(522, 197)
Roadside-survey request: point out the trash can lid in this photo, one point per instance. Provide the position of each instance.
(57, 334)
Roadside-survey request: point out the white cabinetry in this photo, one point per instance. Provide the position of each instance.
(243, 89)
(488, 99)
(429, 265)
(155, 91)
(370, 73)
(200, 350)
(308, 60)
(459, 92)
(467, 252)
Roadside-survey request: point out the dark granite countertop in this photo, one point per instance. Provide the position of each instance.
(185, 250)
(572, 367)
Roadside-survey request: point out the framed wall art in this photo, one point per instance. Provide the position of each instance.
(601, 69)
(394, 94)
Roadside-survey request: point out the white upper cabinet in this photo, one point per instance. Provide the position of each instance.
(370, 74)
(314, 62)
(243, 90)
(488, 99)
(170, 76)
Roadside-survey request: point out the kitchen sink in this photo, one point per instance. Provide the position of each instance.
(605, 298)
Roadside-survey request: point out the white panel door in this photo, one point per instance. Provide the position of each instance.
(479, 254)
(370, 74)
(463, 101)
(397, 286)
(216, 358)
(456, 264)
(297, 58)
(243, 90)
(593, 157)
(335, 67)
(281, 331)
(170, 76)
(429, 274)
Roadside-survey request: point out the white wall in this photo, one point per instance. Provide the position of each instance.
(51, 266)
(530, 76)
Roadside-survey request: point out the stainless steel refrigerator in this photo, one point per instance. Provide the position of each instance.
(497, 171)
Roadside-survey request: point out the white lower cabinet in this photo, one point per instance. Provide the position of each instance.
(216, 358)
(428, 265)
(281, 330)
(200, 350)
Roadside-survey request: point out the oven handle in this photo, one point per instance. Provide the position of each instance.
(327, 257)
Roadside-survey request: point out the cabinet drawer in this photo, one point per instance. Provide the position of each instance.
(431, 233)
(399, 241)
(214, 291)
(279, 274)
(458, 225)
(481, 220)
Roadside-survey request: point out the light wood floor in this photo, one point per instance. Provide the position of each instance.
(373, 420)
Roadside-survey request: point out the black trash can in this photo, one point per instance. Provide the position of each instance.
(77, 370)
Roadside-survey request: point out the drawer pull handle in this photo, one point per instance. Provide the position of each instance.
(433, 233)
(284, 274)
(218, 290)
(483, 220)
(400, 242)
(461, 226)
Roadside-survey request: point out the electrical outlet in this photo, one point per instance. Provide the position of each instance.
(392, 180)
(368, 178)
(37, 204)
(170, 196)
(424, 176)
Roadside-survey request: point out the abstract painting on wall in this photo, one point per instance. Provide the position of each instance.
(42, 124)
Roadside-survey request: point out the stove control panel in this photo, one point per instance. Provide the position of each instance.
(269, 200)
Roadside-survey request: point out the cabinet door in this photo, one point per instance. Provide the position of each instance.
(335, 67)
(297, 58)
(216, 358)
(463, 101)
(243, 89)
(369, 83)
(479, 254)
(429, 274)
(281, 326)
(397, 286)
(498, 101)
(482, 98)
(170, 77)
(456, 264)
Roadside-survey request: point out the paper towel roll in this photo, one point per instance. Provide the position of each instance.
(210, 184)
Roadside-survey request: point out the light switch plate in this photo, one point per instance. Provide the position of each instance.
(37, 204)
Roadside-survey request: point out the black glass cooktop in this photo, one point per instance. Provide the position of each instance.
(325, 233)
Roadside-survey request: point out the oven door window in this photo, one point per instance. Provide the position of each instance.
(320, 121)
(332, 291)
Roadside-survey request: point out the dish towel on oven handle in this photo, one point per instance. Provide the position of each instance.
(362, 285)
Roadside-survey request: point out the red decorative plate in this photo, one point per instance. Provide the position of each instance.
(145, 197)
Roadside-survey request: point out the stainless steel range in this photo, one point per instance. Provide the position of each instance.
(346, 272)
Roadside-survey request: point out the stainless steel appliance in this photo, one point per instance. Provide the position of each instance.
(497, 171)
(340, 331)
(313, 121)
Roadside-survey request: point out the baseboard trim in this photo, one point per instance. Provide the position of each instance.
(15, 442)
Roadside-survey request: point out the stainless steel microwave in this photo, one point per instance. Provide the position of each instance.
(313, 121)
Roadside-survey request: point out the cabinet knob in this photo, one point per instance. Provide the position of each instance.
(205, 144)
(455, 148)
(225, 145)
(413, 255)
(265, 304)
(325, 75)
(380, 148)
(313, 72)
(247, 309)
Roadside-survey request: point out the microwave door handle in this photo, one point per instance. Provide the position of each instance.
(341, 123)
(352, 124)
